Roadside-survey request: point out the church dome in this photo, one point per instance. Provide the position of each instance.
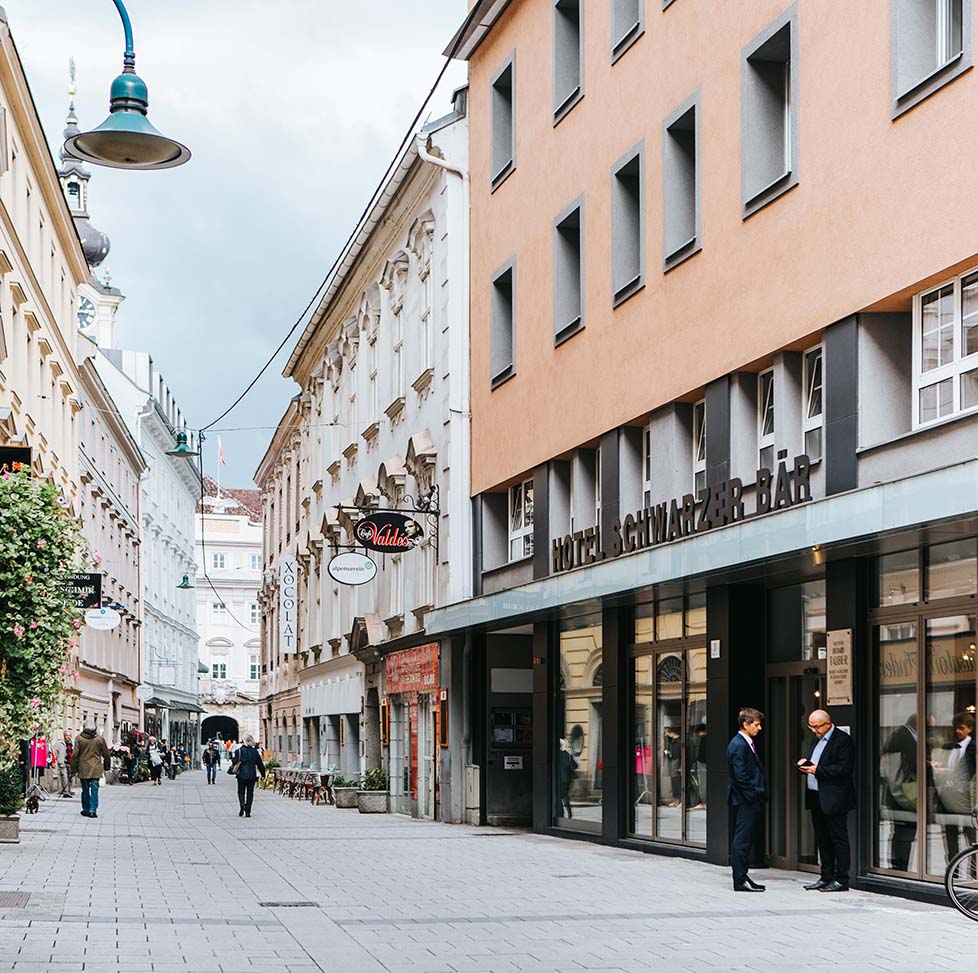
(95, 244)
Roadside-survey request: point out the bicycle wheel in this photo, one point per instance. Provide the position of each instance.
(961, 882)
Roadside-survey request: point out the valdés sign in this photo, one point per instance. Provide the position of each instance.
(717, 505)
(389, 533)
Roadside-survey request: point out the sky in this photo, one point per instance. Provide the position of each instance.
(293, 110)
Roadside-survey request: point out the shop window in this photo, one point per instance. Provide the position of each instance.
(812, 404)
(578, 748)
(521, 520)
(699, 447)
(670, 618)
(952, 570)
(796, 623)
(898, 578)
(945, 351)
(765, 420)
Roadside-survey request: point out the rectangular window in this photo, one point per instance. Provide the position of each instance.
(568, 273)
(218, 560)
(396, 594)
(373, 399)
(219, 612)
(930, 44)
(397, 364)
(769, 113)
(521, 520)
(628, 225)
(680, 184)
(647, 466)
(765, 420)
(699, 447)
(255, 562)
(627, 24)
(253, 667)
(502, 152)
(219, 670)
(568, 55)
(502, 325)
(812, 403)
(254, 613)
(946, 350)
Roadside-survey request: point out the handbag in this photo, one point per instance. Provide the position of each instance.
(233, 770)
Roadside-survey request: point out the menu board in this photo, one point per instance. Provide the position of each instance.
(512, 729)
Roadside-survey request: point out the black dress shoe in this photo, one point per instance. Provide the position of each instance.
(744, 887)
(241, 813)
(834, 887)
(247, 814)
(84, 814)
(756, 886)
(816, 886)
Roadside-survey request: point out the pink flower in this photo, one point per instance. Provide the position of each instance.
(77, 622)
(42, 543)
(97, 558)
(6, 474)
(34, 624)
(34, 703)
(74, 676)
(71, 645)
(29, 579)
(18, 631)
(62, 669)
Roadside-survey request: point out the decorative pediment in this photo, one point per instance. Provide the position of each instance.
(421, 454)
(419, 236)
(391, 477)
(367, 494)
(367, 630)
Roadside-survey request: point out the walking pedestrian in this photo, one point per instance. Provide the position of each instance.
(90, 759)
(212, 760)
(172, 762)
(154, 754)
(62, 755)
(249, 767)
(746, 794)
(132, 760)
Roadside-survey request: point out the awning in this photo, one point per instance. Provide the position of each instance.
(334, 695)
(154, 702)
(187, 708)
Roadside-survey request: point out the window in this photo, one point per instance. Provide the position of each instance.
(254, 613)
(397, 344)
(396, 593)
(597, 488)
(812, 404)
(930, 45)
(627, 24)
(568, 273)
(769, 119)
(219, 670)
(628, 225)
(502, 151)
(647, 466)
(680, 184)
(255, 562)
(502, 325)
(699, 446)
(568, 56)
(373, 401)
(946, 350)
(253, 667)
(521, 520)
(218, 560)
(219, 613)
(765, 420)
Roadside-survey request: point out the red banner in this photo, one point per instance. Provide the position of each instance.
(413, 670)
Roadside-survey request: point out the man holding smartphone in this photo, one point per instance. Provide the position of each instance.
(830, 794)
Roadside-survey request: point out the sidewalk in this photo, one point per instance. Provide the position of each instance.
(170, 878)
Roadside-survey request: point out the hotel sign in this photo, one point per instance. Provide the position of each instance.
(287, 605)
(717, 505)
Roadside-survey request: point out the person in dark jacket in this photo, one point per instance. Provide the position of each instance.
(830, 795)
(212, 760)
(249, 767)
(89, 760)
(746, 794)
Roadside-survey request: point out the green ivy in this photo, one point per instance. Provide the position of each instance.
(39, 545)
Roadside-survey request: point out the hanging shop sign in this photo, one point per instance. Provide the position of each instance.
(351, 568)
(85, 590)
(288, 594)
(717, 505)
(389, 533)
(413, 670)
(102, 619)
(839, 682)
(14, 459)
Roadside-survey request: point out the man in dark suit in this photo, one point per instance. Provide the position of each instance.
(830, 795)
(746, 794)
(955, 780)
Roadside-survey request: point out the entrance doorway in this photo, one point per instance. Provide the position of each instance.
(427, 749)
(219, 728)
(793, 691)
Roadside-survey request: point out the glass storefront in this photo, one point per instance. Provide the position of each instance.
(578, 746)
(667, 761)
(924, 653)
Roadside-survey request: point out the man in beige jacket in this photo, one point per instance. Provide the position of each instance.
(88, 760)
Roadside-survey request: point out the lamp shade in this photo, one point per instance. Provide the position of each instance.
(185, 585)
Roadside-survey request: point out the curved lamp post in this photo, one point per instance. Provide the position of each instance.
(126, 139)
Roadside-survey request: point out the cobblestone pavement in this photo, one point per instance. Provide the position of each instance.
(171, 879)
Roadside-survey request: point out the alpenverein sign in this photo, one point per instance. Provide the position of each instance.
(717, 505)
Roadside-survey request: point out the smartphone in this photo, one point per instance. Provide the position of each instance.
(803, 763)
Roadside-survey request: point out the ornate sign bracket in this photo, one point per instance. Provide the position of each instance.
(428, 504)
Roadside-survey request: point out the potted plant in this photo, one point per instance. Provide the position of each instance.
(10, 803)
(372, 795)
(345, 791)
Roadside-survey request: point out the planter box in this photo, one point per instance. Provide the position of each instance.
(10, 829)
(372, 802)
(345, 796)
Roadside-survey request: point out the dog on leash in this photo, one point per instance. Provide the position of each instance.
(32, 804)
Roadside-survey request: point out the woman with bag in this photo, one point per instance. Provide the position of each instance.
(247, 767)
(155, 759)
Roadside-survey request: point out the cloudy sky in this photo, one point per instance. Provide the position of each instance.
(293, 110)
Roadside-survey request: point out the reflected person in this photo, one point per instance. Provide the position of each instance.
(899, 774)
(955, 782)
(566, 768)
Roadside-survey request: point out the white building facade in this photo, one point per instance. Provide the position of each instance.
(383, 424)
(229, 553)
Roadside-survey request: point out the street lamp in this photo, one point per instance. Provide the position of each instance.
(185, 585)
(182, 449)
(126, 139)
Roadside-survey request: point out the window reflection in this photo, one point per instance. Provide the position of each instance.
(898, 579)
(952, 569)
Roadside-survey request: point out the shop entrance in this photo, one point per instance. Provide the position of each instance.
(793, 691)
(427, 751)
